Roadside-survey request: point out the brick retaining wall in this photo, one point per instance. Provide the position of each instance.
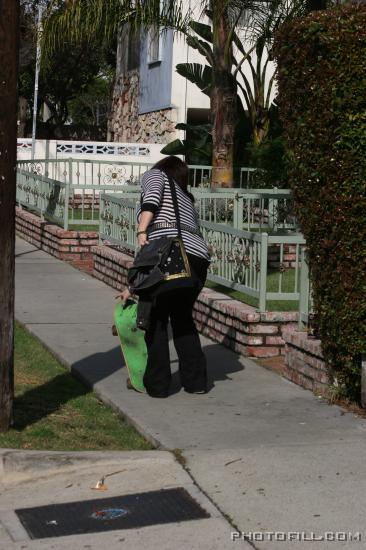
(304, 362)
(228, 321)
(225, 320)
(88, 201)
(71, 246)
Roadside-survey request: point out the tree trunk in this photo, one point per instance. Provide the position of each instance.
(9, 28)
(223, 101)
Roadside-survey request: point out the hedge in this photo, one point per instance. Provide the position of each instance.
(322, 100)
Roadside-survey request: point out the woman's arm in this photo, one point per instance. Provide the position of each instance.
(145, 219)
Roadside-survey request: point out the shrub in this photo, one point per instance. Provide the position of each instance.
(322, 101)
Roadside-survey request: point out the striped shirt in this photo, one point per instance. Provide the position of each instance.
(156, 197)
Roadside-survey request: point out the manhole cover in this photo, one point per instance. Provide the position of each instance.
(107, 514)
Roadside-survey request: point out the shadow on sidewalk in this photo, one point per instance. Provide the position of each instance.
(221, 362)
(47, 398)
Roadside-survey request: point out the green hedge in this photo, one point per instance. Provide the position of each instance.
(322, 99)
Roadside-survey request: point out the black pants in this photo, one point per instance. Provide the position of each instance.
(177, 306)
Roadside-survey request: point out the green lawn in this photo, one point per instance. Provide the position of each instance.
(76, 214)
(288, 281)
(54, 411)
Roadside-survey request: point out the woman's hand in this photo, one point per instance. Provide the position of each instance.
(142, 239)
(124, 296)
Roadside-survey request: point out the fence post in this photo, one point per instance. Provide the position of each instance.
(272, 205)
(238, 212)
(304, 291)
(68, 186)
(101, 221)
(263, 272)
(363, 380)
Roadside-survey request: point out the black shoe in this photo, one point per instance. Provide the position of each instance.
(159, 395)
(197, 391)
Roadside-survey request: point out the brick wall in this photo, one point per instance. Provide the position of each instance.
(71, 246)
(304, 362)
(77, 201)
(228, 321)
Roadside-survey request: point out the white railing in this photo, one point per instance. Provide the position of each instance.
(144, 153)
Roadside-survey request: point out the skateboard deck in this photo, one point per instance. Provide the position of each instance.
(132, 340)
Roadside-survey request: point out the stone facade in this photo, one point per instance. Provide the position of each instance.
(127, 125)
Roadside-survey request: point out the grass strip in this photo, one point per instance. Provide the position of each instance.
(54, 411)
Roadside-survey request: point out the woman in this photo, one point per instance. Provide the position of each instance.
(155, 219)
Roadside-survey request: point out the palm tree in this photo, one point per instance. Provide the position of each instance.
(87, 19)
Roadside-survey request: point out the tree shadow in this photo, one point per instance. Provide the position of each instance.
(38, 402)
(41, 401)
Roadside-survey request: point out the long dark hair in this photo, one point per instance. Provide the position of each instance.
(177, 169)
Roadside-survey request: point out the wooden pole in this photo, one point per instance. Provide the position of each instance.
(9, 43)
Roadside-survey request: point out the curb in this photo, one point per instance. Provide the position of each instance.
(100, 393)
(19, 461)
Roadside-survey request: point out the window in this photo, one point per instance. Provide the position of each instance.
(133, 54)
(154, 45)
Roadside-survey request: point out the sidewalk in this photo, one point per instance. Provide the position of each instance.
(271, 455)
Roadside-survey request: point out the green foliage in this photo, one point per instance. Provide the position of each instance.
(269, 156)
(197, 147)
(322, 101)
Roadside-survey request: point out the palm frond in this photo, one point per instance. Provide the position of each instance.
(201, 75)
(81, 21)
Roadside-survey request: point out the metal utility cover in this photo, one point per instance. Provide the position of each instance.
(107, 514)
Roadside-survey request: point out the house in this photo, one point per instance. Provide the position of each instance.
(150, 97)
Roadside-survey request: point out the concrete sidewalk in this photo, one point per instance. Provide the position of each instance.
(28, 478)
(271, 455)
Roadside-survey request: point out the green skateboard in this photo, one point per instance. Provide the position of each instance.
(132, 341)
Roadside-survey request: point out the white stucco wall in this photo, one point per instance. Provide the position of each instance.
(186, 95)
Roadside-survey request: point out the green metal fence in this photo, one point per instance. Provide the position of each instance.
(118, 220)
(306, 303)
(200, 176)
(239, 257)
(67, 191)
(45, 196)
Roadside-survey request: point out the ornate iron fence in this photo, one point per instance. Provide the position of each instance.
(200, 176)
(118, 218)
(253, 209)
(46, 196)
(306, 303)
(239, 258)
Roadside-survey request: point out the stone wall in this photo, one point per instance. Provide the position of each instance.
(71, 246)
(127, 125)
(304, 362)
(230, 322)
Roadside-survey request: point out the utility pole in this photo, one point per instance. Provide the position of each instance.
(36, 79)
(9, 44)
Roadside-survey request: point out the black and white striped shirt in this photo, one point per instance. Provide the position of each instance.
(156, 197)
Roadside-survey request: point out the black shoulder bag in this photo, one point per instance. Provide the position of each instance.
(161, 265)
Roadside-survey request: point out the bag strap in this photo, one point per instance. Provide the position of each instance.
(175, 203)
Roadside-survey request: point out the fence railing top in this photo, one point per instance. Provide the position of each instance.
(241, 233)
(41, 177)
(85, 161)
(289, 238)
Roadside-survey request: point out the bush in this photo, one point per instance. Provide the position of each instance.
(322, 101)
